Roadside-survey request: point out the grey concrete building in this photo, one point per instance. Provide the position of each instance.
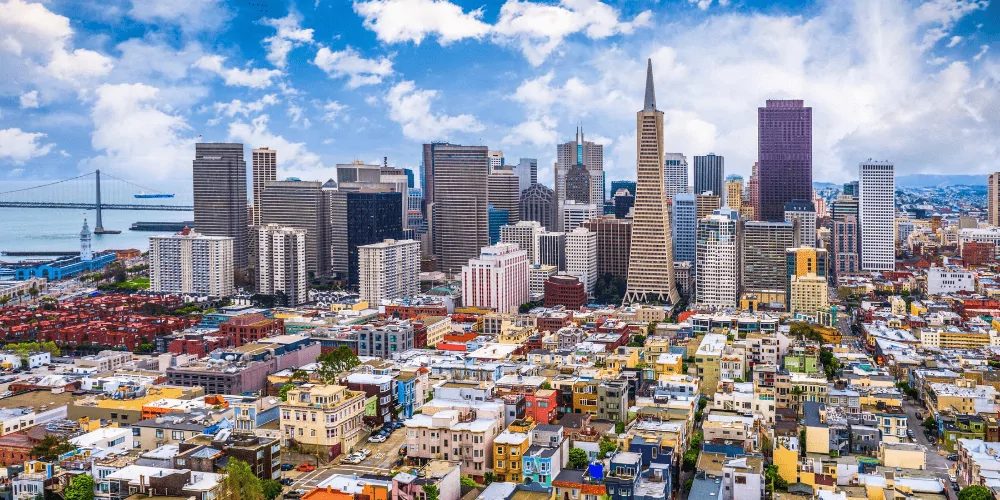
(710, 174)
(538, 203)
(459, 203)
(219, 175)
(300, 205)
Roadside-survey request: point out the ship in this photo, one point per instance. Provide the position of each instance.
(153, 195)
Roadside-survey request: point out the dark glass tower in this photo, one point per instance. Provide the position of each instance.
(784, 154)
(371, 218)
(220, 195)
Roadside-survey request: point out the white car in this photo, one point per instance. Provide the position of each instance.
(354, 458)
(365, 452)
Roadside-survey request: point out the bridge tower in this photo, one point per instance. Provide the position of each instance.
(99, 223)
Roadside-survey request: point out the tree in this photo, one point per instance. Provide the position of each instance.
(50, 448)
(975, 493)
(240, 483)
(619, 428)
(4, 301)
(577, 459)
(431, 492)
(774, 480)
(81, 487)
(609, 289)
(468, 483)
(931, 425)
(283, 392)
(524, 308)
(334, 362)
(606, 446)
(272, 489)
(638, 340)
(690, 460)
(489, 477)
(546, 385)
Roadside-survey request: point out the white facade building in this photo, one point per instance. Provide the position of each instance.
(805, 213)
(876, 215)
(191, 263)
(497, 280)
(581, 257)
(575, 214)
(718, 260)
(941, 280)
(537, 274)
(525, 235)
(281, 263)
(389, 270)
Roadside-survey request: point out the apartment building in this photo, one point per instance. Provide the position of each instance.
(326, 418)
(456, 430)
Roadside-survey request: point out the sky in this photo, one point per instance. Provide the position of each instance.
(129, 86)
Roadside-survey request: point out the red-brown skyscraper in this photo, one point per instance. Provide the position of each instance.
(784, 154)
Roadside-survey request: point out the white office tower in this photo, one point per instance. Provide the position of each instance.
(876, 215)
(389, 270)
(496, 160)
(581, 257)
(718, 260)
(803, 211)
(537, 275)
(497, 280)
(281, 263)
(574, 214)
(525, 235)
(191, 263)
(675, 174)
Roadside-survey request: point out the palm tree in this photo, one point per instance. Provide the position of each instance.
(33, 292)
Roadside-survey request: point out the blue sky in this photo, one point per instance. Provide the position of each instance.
(128, 86)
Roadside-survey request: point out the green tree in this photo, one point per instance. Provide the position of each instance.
(975, 493)
(690, 460)
(609, 289)
(272, 489)
(468, 482)
(702, 403)
(774, 480)
(637, 341)
(489, 477)
(283, 392)
(240, 483)
(524, 308)
(81, 487)
(51, 447)
(619, 428)
(931, 425)
(431, 492)
(546, 385)
(333, 363)
(606, 446)
(577, 459)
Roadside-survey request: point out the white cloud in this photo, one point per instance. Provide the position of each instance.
(29, 100)
(349, 63)
(296, 159)
(81, 63)
(188, 15)
(152, 57)
(20, 146)
(15, 172)
(411, 108)
(539, 131)
(333, 110)
(955, 40)
(140, 137)
(238, 107)
(942, 15)
(395, 21)
(257, 78)
(290, 34)
(705, 4)
(983, 49)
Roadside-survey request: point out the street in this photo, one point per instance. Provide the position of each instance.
(381, 461)
(937, 461)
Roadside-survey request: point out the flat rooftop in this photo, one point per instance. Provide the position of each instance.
(36, 400)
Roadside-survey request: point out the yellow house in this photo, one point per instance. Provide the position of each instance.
(360, 305)
(917, 308)
(786, 457)
(516, 335)
(905, 455)
(655, 346)
(508, 449)
(623, 357)
(668, 364)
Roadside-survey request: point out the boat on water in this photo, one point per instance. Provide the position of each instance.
(153, 195)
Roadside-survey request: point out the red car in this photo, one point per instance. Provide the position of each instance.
(305, 467)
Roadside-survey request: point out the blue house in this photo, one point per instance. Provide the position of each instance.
(652, 452)
(406, 387)
(544, 459)
(622, 478)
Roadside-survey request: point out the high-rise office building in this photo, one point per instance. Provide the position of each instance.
(370, 218)
(851, 188)
(496, 160)
(537, 276)
(876, 215)
(805, 212)
(409, 178)
(629, 185)
(397, 179)
(753, 194)
(580, 152)
(358, 175)
(684, 230)
(577, 184)
(807, 290)
(538, 203)
(220, 195)
(614, 242)
(581, 257)
(460, 204)
(821, 207)
(675, 174)
(505, 194)
(575, 213)
(498, 219)
(844, 212)
(718, 260)
(191, 263)
(762, 258)
(525, 235)
(734, 193)
(265, 169)
(526, 171)
(551, 250)
(993, 199)
(710, 174)
(281, 262)
(707, 203)
(299, 205)
(388, 270)
(623, 203)
(497, 279)
(651, 263)
(784, 152)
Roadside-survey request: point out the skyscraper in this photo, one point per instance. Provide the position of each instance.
(527, 173)
(496, 160)
(707, 203)
(614, 242)
(630, 185)
(876, 215)
(581, 257)
(580, 152)
(718, 260)
(845, 245)
(299, 205)
(552, 250)
(188, 262)
(751, 209)
(388, 270)
(577, 184)
(651, 263)
(807, 287)
(525, 235)
(505, 194)
(684, 230)
(784, 152)
(497, 279)
(993, 199)
(675, 174)
(220, 195)
(762, 258)
(460, 204)
(734, 193)
(574, 214)
(265, 168)
(538, 203)
(281, 262)
(709, 174)
(370, 218)
(805, 212)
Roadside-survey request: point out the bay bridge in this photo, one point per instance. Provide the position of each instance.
(87, 192)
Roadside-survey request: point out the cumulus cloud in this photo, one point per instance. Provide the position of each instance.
(396, 21)
(238, 107)
(20, 146)
(188, 15)
(257, 78)
(333, 110)
(410, 107)
(540, 131)
(296, 159)
(29, 100)
(290, 34)
(349, 63)
(139, 136)
(705, 4)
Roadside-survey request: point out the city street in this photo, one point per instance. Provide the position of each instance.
(382, 461)
(937, 461)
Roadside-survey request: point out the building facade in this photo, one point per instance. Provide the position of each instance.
(191, 263)
(219, 174)
(877, 215)
(710, 174)
(538, 203)
(265, 169)
(459, 202)
(581, 257)
(718, 260)
(803, 211)
(808, 291)
(281, 263)
(505, 194)
(685, 227)
(299, 205)
(497, 280)
(574, 214)
(552, 250)
(614, 243)
(762, 258)
(389, 270)
(675, 174)
(525, 235)
(784, 155)
(327, 418)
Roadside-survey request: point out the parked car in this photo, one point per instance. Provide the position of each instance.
(402, 451)
(286, 481)
(365, 452)
(354, 458)
(953, 457)
(287, 466)
(305, 467)
(955, 486)
(377, 438)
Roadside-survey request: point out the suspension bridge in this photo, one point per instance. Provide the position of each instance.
(84, 192)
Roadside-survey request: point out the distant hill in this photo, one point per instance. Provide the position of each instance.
(931, 180)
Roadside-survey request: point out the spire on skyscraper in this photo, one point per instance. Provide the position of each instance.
(650, 103)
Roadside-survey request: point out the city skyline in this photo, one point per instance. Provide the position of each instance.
(262, 95)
